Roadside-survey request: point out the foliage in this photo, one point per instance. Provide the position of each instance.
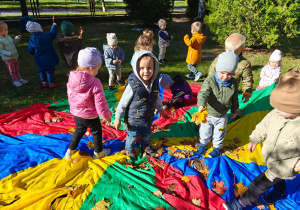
(149, 11)
(192, 9)
(265, 23)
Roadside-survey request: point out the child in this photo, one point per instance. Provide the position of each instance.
(114, 56)
(40, 45)
(271, 72)
(145, 41)
(69, 45)
(139, 101)
(87, 101)
(9, 54)
(193, 57)
(163, 40)
(219, 93)
(179, 87)
(281, 152)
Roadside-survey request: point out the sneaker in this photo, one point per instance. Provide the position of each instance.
(131, 154)
(44, 84)
(233, 205)
(197, 76)
(164, 60)
(190, 76)
(119, 82)
(215, 153)
(111, 88)
(105, 152)
(201, 148)
(52, 85)
(161, 61)
(23, 81)
(69, 153)
(17, 84)
(150, 152)
(273, 197)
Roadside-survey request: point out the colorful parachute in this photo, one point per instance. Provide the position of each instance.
(34, 175)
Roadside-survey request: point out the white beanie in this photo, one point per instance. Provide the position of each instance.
(227, 61)
(111, 39)
(276, 56)
(165, 80)
(160, 22)
(33, 27)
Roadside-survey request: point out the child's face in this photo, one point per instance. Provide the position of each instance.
(224, 75)
(113, 46)
(146, 68)
(274, 64)
(163, 26)
(4, 30)
(286, 115)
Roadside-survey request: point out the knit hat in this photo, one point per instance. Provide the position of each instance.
(276, 56)
(286, 96)
(67, 27)
(33, 27)
(227, 61)
(160, 22)
(89, 57)
(165, 80)
(111, 39)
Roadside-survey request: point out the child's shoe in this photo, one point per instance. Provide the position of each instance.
(161, 61)
(111, 88)
(17, 84)
(149, 152)
(164, 60)
(197, 76)
(52, 85)
(233, 205)
(215, 153)
(44, 84)
(69, 153)
(190, 76)
(201, 148)
(23, 81)
(119, 82)
(103, 153)
(131, 154)
(273, 197)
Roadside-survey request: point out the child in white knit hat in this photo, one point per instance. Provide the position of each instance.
(114, 56)
(163, 40)
(271, 72)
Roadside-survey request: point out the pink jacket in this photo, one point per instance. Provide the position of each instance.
(86, 96)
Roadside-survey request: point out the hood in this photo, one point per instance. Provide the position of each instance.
(37, 39)
(80, 81)
(106, 47)
(134, 60)
(67, 38)
(158, 30)
(200, 37)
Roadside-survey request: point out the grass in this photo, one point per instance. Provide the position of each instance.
(12, 98)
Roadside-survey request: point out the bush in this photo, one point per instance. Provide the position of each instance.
(192, 9)
(148, 12)
(265, 23)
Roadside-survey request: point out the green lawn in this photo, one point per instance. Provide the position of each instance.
(12, 99)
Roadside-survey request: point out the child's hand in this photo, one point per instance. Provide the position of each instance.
(117, 123)
(163, 113)
(108, 121)
(54, 24)
(200, 108)
(13, 54)
(233, 115)
(120, 61)
(297, 166)
(19, 37)
(115, 61)
(251, 146)
(171, 37)
(165, 107)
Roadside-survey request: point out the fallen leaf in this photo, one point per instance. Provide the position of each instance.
(199, 117)
(87, 133)
(235, 155)
(90, 145)
(75, 190)
(190, 163)
(239, 189)
(219, 188)
(159, 208)
(185, 178)
(259, 205)
(239, 148)
(271, 207)
(172, 148)
(158, 193)
(71, 130)
(236, 140)
(171, 187)
(101, 205)
(196, 201)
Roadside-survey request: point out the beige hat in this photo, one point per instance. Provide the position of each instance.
(286, 96)
(160, 22)
(276, 55)
(111, 39)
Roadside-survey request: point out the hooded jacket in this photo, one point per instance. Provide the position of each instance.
(86, 96)
(7, 47)
(195, 47)
(111, 55)
(40, 45)
(163, 38)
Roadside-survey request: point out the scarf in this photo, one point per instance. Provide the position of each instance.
(220, 82)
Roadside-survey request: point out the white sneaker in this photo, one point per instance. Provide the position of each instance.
(69, 153)
(105, 152)
(17, 84)
(23, 81)
(197, 76)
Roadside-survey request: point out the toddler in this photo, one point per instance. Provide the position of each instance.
(87, 101)
(194, 54)
(271, 72)
(9, 54)
(40, 45)
(114, 56)
(145, 41)
(139, 101)
(219, 93)
(179, 87)
(69, 44)
(163, 40)
(280, 151)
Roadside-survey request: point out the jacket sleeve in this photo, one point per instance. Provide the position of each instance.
(204, 93)
(247, 77)
(235, 101)
(100, 102)
(3, 51)
(163, 35)
(30, 49)
(108, 58)
(259, 134)
(159, 105)
(53, 32)
(122, 54)
(212, 67)
(124, 102)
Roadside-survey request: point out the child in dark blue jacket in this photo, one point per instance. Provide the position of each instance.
(40, 45)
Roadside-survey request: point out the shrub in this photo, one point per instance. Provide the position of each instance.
(148, 11)
(265, 23)
(192, 9)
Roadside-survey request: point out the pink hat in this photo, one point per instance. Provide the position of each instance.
(89, 57)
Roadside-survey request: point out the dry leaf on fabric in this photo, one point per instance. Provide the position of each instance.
(219, 188)
(181, 118)
(87, 133)
(102, 205)
(75, 160)
(239, 189)
(196, 201)
(235, 155)
(178, 155)
(75, 190)
(159, 208)
(160, 152)
(71, 130)
(171, 187)
(90, 145)
(236, 140)
(158, 193)
(172, 148)
(156, 145)
(239, 148)
(259, 205)
(185, 178)
(57, 119)
(164, 140)
(271, 207)
(190, 163)
(199, 117)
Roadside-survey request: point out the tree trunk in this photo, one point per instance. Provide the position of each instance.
(103, 6)
(23, 8)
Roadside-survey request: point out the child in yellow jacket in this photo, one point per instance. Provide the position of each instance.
(195, 49)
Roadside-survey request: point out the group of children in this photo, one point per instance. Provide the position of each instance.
(218, 94)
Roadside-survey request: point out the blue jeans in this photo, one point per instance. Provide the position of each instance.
(47, 74)
(193, 68)
(134, 133)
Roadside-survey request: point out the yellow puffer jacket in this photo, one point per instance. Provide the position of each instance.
(195, 47)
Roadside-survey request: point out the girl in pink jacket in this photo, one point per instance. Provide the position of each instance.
(87, 101)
